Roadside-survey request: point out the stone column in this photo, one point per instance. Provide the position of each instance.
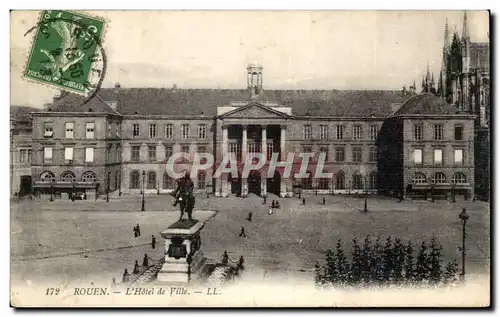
(224, 182)
(264, 141)
(283, 157)
(244, 146)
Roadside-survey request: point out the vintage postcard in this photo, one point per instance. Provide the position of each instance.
(250, 158)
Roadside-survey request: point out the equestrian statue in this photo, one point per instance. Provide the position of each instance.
(183, 195)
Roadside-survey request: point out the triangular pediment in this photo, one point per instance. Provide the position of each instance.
(254, 110)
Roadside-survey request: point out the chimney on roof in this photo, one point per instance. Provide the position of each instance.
(117, 85)
(60, 95)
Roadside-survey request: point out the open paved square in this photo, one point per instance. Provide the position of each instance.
(68, 242)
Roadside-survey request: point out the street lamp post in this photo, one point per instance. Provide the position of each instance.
(158, 190)
(464, 216)
(366, 202)
(51, 192)
(107, 188)
(143, 177)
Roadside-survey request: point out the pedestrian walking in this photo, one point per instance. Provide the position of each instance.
(225, 258)
(136, 234)
(242, 232)
(136, 267)
(125, 277)
(273, 205)
(153, 242)
(303, 201)
(277, 205)
(249, 218)
(324, 201)
(145, 261)
(138, 230)
(240, 263)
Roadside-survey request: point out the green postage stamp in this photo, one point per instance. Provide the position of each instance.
(66, 52)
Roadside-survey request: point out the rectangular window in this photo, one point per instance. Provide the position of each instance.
(22, 155)
(459, 131)
(117, 129)
(89, 155)
(324, 149)
(110, 126)
(438, 132)
(48, 130)
(68, 154)
(235, 150)
(47, 154)
(185, 149)
(202, 133)
(356, 132)
(168, 131)
(356, 154)
(323, 132)
(135, 130)
(340, 132)
(168, 152)
(152, 131)
(459, 157)
(307, 149)
(307, 132)
(417, 156)
(418, 132)
(30, 153)
(135, 154)
(70, 130)
(89, 130)
(438, 156)
(185, 131)
(152, 153)
(339, 154)
(373, 154)
(373, 132)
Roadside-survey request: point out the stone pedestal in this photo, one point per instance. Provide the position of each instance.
(183, 259)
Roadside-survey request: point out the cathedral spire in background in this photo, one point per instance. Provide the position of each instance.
(465, 28)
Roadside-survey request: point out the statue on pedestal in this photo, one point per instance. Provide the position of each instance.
(184, 196)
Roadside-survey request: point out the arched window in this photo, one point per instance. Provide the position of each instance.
(340, 180)
(372, 180)
(323, 183)
(357, 181)
(68, 176)
(89, 177)
(151, 180)
(439, 178)
(47, 177)
(118, 153)
(419, 178)
(307, 182)
(201, 180)
(118, 179)
(135, 182)
(168, 182)
(459, 178)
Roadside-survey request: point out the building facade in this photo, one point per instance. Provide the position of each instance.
(123, 140)
(428, 144)
(21, 152)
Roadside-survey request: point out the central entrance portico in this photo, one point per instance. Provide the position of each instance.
(249, 128)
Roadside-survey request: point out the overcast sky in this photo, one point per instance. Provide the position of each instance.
(298, 49)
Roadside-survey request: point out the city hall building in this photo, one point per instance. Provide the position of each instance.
(374, 141)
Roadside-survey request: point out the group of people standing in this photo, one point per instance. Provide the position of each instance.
(137, 233)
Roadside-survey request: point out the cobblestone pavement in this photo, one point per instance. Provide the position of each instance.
(68, 242)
